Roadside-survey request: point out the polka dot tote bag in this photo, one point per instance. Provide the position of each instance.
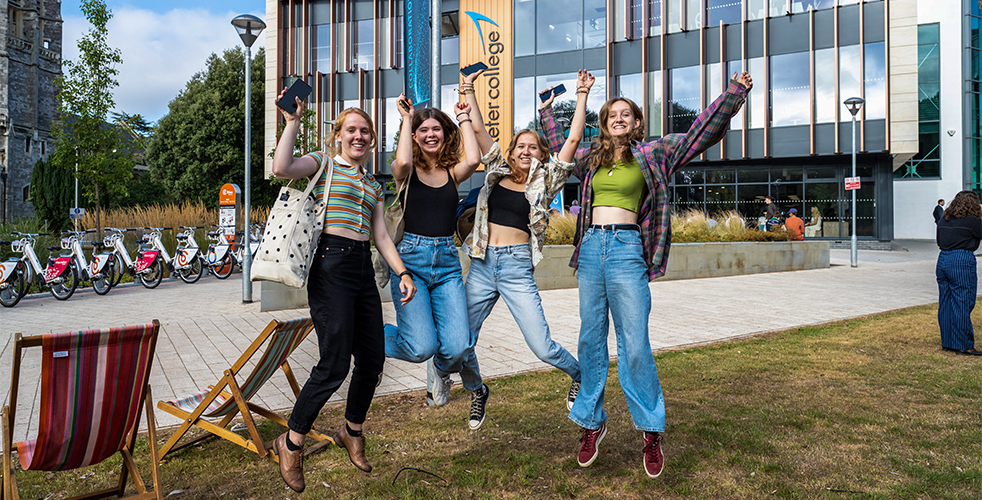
(294, 224)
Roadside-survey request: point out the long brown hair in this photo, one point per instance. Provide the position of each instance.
(606, 147)
(449, 154)
(332, 141)
(965, 203)
(517, 177)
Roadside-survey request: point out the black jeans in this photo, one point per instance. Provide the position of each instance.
(347, 315)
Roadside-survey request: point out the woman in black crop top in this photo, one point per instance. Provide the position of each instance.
(959, 232)
(427, 169)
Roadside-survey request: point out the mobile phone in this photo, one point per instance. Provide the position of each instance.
(557, 90)
(478, 66)
(298, 89)
(404, 105)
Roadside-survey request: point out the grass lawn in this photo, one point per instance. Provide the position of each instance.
(867, 408)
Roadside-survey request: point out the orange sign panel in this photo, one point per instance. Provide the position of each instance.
(227, 195)
(486, 35)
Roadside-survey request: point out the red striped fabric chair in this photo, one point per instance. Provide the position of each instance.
(230, 398)
(93, 387)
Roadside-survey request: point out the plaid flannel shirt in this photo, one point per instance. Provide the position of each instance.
(658, 159)
(545, 181)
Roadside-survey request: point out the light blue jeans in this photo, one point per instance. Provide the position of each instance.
(612, 276)
(506, 272)
(434, 323)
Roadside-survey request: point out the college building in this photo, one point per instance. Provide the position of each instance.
(915, 64)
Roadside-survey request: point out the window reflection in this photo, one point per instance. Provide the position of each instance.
(875, 81)
(363, 36)
(450, 50)
(524, 22)
(629, 86)
(654, 17)
(594, 23)
(848, 75)
(449, 97)
(321, 49)
(725, 11)
(565, 104)
(825, 86)
(674, 16)
(755, 106)
(562, 28)
(654, 104)
(736, 123)
(789, 89)
(713, 84)
(684, 99)
(805, 5)
(526, 103)
(750, 201)
(693, 14)
(777, 8)
(391, 122)
(755, 9)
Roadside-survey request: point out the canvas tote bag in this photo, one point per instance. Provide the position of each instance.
(295, 223)
(395, 226)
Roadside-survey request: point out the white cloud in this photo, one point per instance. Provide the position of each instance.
(161, 52)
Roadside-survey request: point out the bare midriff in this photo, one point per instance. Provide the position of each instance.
(613, 215)
(346, 233)
(502, 236)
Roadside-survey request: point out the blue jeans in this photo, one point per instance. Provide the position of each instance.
(506, 272)
(434, 323)
(957, 283)
(612, 276)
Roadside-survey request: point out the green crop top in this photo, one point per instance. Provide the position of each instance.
(619, 186)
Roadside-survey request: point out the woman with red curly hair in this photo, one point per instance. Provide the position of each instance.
(958, 234)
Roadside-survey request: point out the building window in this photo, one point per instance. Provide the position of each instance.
(825, 86)
(926, 164)
(789, 90)
(363, 39)
(654, 103)
(683, 98)
(44, 148)
(723, 11)
(524, 22)
(46, 44)
(450, 43)
(27, 192)
(321, 50)
(27, 144)
(875, 81)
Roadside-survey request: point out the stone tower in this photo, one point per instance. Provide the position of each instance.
(30, 60)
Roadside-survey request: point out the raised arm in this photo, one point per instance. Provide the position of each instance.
(384, 245)
(285, 165)
(402, 164)
(709, 126)
(584, 82)
(472, 152)
(484, 139)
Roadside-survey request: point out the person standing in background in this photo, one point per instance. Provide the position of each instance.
(939, 211)
(770, 209)
(959, 232)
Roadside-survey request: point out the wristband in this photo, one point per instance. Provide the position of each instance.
(461, 122)
(406, 273)
(465, 91)
(583, 91)
(462, 114)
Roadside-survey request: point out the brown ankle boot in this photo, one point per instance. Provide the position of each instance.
(291, 463)
(355, 447)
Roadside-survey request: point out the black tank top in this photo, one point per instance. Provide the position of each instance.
(431, 211)
(509, 208)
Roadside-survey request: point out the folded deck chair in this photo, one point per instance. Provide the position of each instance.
(230, 397)
(93, 387)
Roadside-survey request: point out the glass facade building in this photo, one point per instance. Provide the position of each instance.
(791, 141)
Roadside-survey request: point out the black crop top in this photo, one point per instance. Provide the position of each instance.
(509, 208)
(431, 211)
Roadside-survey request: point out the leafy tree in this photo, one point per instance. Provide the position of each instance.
(199, 145)
(306, 142)
(52, 194)
(82, 138)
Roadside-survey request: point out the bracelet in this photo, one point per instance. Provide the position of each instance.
(462, 114)
(406, 273)
(465, 91)
(583, 91)
(461, 122)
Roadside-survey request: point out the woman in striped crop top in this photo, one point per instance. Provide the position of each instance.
(344, 301)
(509, 227)
(433, 157)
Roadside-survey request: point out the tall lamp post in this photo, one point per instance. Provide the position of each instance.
(248, 27)
(854, 104)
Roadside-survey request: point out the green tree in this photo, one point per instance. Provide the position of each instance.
(199, 145)
(82, 137)
(52, 194)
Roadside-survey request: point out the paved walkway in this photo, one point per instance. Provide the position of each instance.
(205, 326)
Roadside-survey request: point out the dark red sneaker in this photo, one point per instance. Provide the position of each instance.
(590, 445)
(654, 460)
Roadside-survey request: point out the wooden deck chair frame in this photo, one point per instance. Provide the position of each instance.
(127, 468)
(229, 387)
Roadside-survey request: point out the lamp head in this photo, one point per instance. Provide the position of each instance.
(854, 104)
(248, 27)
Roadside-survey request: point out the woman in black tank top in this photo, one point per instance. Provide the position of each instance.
(510, 223)
(427, 169)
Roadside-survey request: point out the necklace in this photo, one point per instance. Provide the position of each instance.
(611, 171)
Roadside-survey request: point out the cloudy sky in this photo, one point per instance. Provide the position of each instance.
(163, 43)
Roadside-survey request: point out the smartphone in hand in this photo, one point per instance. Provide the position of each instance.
(473, 68)
(289, 101)
(555, 91)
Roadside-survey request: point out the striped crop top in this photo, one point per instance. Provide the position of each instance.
(352, 197)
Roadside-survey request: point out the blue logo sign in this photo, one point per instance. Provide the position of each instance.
(416, 27)
(480, 17)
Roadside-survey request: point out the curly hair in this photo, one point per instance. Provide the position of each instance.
(965, 203)
(605, 149)
(516, 176)
(450, 152)
(331, 141)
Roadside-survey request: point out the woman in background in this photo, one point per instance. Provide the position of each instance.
(958, 235)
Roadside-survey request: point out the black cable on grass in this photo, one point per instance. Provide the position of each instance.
(446, 484)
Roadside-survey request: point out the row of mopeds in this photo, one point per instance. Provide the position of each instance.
(67, 266)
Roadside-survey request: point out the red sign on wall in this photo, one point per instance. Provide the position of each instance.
(852, 183)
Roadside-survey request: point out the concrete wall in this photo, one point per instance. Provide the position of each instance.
(685, 261)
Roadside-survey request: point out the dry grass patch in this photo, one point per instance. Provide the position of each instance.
(866, 408)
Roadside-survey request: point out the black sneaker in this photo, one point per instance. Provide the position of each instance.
(574, 389)
(479, 402)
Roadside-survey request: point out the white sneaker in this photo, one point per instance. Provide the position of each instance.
(439, 390)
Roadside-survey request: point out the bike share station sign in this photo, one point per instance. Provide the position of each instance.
(229, 211)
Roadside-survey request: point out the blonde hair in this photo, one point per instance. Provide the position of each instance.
(539, 140)
(331, 141)
(605, 148)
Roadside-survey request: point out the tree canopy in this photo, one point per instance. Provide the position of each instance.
(199, 145)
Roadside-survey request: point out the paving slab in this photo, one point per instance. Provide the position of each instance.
(204, 326)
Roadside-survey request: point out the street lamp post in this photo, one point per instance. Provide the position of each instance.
(854, 104)
(248, 27)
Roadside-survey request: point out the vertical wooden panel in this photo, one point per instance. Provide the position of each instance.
(767, 87)
(862, 77)
(886, 38)
(811, 81)
(838, 103)
(488, 37)
(645, 85)
(724, 80)
(664, 69)
(702, 68)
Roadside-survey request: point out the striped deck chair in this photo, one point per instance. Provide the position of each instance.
(230, 397)
(93, 387)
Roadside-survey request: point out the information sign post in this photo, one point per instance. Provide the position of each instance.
(229, 211)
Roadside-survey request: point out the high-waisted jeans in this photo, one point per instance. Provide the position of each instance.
(957, 285)
(347, 315)
(613, 279)
(434, 323)
(506, 272)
